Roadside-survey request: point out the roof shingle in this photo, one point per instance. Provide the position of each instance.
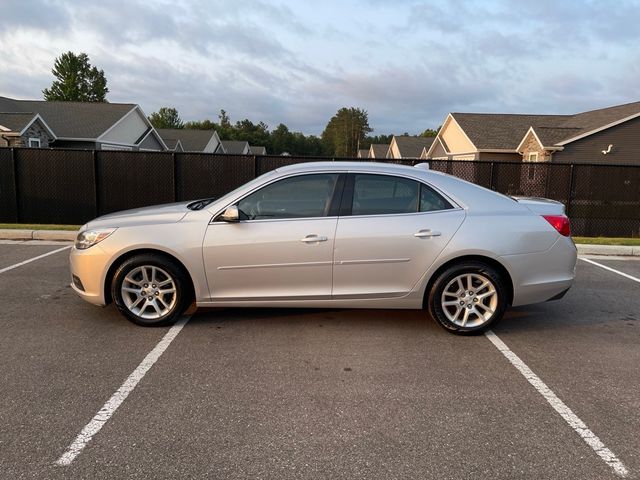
(504, 131)
(191, 140)
(411, 147)
(85, 120)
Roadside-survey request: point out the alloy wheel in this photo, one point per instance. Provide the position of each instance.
(149, 292)
(469, 300)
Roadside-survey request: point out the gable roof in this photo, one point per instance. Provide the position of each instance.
(363, 153)
(257, 150)
(503, 131)
(234, 147)
(15, 122)
(379, 150)
(82, 120)
(593, 121)
(18, 123)
(191, 140)
(411, 147)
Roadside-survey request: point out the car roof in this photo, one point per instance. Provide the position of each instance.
(353, 166)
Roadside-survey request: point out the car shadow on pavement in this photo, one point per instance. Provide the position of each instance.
(399, 319)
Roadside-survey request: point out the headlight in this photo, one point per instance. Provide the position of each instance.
(89, 238)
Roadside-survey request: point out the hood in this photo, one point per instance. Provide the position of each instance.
(167, 213)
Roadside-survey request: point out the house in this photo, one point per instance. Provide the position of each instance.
(257, 150)
(363, 153)
(408, 147)
(189, 140)
(24, 130)
(607, 135)
(378, 150)
(234, 147)
(90, 125)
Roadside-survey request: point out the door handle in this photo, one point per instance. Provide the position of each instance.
(426, 234)
(313, 239)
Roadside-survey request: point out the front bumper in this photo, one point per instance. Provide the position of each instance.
(89, 267)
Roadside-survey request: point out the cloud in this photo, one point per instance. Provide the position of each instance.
(48, 15)
(407, 62)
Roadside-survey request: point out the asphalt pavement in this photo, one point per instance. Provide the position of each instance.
(279, 394)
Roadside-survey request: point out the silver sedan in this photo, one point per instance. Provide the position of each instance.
(332, 234)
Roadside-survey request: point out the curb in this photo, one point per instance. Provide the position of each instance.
(617, 250)
(56, 235)
(66, 235)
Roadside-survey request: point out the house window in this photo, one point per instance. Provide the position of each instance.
(34, 142)
(531, 169)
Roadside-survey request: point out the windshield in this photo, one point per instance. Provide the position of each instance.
(249, 185)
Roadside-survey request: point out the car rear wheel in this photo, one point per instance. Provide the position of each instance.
(468, 298)
(150, 290)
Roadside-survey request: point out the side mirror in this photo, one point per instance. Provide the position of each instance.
(230, 215)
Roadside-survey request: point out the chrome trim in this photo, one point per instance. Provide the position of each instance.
(274, 265)
(365, 262)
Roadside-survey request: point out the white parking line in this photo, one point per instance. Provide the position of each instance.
(109, 408)
(559, 406)
(6, 269)
(626, 275)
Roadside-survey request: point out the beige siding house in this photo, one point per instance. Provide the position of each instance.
(408, 147)
(607, 135)
(378, 150)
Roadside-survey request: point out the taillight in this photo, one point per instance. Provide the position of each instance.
(560, 223)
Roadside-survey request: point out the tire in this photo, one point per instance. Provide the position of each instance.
(151, 290)
(468, 298)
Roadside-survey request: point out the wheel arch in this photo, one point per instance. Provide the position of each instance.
(140, 251)
(492, 262)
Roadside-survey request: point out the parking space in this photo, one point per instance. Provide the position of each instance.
(316, 393)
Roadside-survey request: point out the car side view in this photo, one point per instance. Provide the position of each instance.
(332, 234)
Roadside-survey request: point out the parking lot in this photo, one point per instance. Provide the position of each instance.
(317, 393)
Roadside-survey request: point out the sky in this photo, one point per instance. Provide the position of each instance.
(407, 63)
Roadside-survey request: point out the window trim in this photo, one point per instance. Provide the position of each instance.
(347, 197)
(532, 157)
(32, 139)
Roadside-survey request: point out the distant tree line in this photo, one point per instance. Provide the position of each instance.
(346, 131)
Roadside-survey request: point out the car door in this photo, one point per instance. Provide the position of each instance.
(282, 247)
(390, 230)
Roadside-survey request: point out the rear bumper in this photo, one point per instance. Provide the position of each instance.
(543, 276)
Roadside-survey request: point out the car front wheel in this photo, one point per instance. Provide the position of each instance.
(150, 290)
(468, 298)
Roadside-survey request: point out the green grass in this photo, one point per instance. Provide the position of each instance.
(37, 226)
(584, 240)
(607, 241)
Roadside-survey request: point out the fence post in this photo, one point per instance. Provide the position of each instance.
(14, 162)
(491, 176)
(175, 177)
(255, 166)
(96, 178)
(570, 198)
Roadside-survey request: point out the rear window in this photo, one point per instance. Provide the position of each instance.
(385, 194)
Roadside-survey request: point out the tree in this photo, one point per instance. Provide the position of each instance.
(429, 132)
(384, 139)
(166, 117)
(201, 125)
(76, 80)
(346, 129)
